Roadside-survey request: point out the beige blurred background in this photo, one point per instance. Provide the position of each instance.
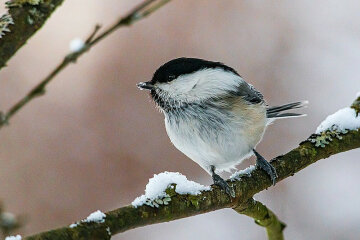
(93, 141)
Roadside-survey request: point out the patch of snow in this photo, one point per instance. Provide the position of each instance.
(343, 119)
(74, 225)
(76, 45)
(139, 201)
(17, 237)
(157, 185)
(98, 217)
(8, 218)
(247, 171)
(357, 94)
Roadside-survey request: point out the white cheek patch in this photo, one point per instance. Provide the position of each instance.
(179, 86)
(201, 85)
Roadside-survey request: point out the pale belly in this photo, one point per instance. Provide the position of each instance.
(221, 144)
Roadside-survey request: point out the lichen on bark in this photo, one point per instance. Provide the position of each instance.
(20, 3)
(263, 217)
(28, 16)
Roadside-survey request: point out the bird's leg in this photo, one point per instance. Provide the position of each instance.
(266, 166)
(222, 183)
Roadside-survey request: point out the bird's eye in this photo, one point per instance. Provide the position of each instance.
(171, 77)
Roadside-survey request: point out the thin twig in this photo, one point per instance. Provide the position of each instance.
(140, 12)
(9, 222)
(91, 37)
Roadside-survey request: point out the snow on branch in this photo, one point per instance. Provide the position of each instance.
(17, 237)
(189, 203)
(9, 222)
(337, 124)
(155, 194)
(342, 120)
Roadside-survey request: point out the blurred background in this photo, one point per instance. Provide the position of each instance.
(93, 141)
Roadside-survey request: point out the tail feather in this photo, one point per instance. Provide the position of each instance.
(279, 111)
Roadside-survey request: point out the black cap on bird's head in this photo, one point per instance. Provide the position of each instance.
(181, 66)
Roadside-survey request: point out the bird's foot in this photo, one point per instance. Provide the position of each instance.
(222, 184)
(266, 166)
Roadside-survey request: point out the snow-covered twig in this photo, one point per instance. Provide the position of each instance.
(9, 222)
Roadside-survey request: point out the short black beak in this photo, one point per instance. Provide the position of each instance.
(145, 85)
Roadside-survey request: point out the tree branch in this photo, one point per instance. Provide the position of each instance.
(138, 13)
(27, 19)
(263, 217)
(182, 206)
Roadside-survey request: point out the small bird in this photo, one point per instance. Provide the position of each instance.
(213, 116)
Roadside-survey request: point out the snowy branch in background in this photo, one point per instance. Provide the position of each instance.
(23, 19)
(9, 222)
(181, 203)
(77, 50)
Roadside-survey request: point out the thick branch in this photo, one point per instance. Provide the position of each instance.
(140, 12)
(182, 206)
(263, 217)
(27, 20)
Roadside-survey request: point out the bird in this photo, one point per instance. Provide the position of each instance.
(213, 115)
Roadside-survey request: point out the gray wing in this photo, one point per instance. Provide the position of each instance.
(250, 94)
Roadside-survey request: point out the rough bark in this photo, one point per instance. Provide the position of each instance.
(27, 20)
(263, 217)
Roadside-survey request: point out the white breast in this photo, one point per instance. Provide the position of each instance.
(211, 137)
